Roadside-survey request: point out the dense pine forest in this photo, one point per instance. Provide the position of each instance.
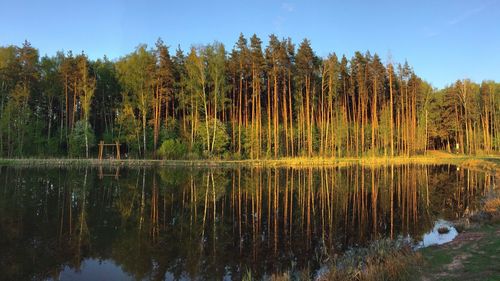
(251, 102)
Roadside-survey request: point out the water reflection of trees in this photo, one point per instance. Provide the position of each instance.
(207, 223)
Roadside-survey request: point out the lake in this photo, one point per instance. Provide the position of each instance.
(185, 223)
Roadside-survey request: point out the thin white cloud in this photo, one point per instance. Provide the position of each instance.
(433, 32)
(468, 14)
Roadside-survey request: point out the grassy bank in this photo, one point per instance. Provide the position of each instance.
(433, 157)
(473, 255)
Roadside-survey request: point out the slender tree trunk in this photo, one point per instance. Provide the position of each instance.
(240, 114)
(276, 115)
(391, 104)
(374, 117)
(86, 140)
(156, 109)
(290, 112)
(74, 106)
(206, 119)
(49, 127)
(308, 116)
(285, 117)
(268, 115)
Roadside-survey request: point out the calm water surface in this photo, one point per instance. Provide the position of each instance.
(213, 224)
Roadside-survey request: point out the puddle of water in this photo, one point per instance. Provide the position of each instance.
(433, 237)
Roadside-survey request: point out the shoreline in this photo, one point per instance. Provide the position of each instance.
(472, 254)
(466, 161)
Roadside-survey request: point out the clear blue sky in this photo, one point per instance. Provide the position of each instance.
(443, 40)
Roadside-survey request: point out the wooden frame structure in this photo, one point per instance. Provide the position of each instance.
(102, 145)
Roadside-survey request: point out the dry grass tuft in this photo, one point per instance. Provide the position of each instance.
(382, 260)
(281, 277)
(492, 205)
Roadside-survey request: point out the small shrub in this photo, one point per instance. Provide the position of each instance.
(171, 131)
(480, 217)
(247, 276)
(192, 156)
(221, 137)
(52, 147)
(381, 260)
(236, 156)
(460, 227)
(172, 149)
(492, 205)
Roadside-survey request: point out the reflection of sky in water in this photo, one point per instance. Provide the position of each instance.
(92, 269)
(105, 270)
(433, 237)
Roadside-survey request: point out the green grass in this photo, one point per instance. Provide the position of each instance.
(475, 259)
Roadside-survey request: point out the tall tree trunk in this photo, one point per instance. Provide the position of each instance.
(276, 115)
(268, 115)
(374, 116)
(391, 103)
(290, 111)
(285, 117)
(240, 114)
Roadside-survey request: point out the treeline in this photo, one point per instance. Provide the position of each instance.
(250, 102)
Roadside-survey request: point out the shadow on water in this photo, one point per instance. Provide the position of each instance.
(195, 223)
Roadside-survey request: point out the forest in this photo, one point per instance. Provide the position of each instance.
(250, 102)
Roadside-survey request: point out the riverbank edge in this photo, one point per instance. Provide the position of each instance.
(467, 161)
(472, 255)
(478, 232)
